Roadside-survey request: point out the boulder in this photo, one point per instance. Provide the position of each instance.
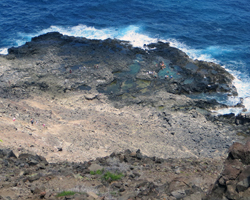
(95, 167)
(7, 153)
(178, 194)
(237, 151)
(231, 170)
(243, 185)
(32, 159)
(234, 181)
(240, 151)
(247, 152)
(90, 96)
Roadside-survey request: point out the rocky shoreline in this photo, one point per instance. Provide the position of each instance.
(89, 98)
(59, 63)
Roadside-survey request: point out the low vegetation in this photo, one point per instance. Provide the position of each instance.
(99, 172)
(66, 193)
(108, 176)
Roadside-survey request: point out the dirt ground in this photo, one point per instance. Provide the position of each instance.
(72, 127)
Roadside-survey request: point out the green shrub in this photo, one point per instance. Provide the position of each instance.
(99, 172)
(66, 193)
(108, 176)
(114, 193)
(78, 176)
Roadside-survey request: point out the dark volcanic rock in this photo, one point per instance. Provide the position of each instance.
(31, 159)
(7, 153)
(58, 63)
(240, 151)
(234, 181)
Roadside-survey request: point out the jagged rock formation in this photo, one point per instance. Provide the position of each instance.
(32, 177)
(234, 181)
(140, 177)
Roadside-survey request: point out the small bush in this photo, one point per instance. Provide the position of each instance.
(66, 193)
(108, 176)
(99, 172)
(32, 175)
(78, 176)
(114, 193)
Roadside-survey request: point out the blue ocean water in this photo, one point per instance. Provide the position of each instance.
(211, 30)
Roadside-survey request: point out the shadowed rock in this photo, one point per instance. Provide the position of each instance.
(234, 181)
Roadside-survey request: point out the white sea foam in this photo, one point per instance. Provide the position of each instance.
(130, 33)
(241, 82)
(224, 111)
(199, 54)
(4, 51)
(81, 31)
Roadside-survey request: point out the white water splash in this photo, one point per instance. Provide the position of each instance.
(4, 51)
